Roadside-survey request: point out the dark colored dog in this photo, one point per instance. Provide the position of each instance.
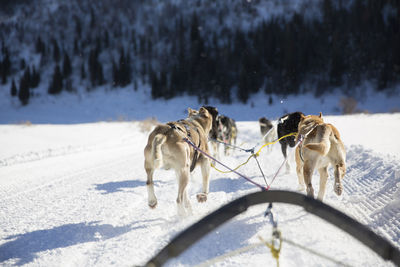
(214, 129)
(265, 125)
(225, 131)
(288, 124)
(268, 131)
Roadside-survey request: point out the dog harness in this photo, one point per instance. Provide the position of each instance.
(187, 128)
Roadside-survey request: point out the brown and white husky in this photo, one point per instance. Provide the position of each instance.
(166, 148)
(321, 147)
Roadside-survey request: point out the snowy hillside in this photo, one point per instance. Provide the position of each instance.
(229, 50)
(75, 195)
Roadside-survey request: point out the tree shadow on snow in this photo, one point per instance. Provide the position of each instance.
(23, 247)
(113, 187)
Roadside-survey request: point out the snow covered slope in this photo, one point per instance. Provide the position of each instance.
(75, 195)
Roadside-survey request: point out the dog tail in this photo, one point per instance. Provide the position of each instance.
(159, 139)
(324, 145)
(318, 147)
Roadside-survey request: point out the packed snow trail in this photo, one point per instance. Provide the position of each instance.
(87, 205)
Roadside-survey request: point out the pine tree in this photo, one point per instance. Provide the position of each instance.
(163, 85)
(243, 93)
(3, 74)
(115, 74)
(337, 61)
(40, 46)
(95, 68)
(5, 65)
(22, 64)
(76, 47)
(124, 69)
(83, 72)
(92, 18)
(155, 85)
(78, 27)
(67, 69)
(56, 51)
(106, 40)
(27, 77)
(24, 92)
(13, 89)
(56, 84)
(35, 78)
(135, 47)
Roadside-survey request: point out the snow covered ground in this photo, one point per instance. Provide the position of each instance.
(75, 194)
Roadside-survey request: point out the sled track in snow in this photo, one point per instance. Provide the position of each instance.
(373, 192)
(56, 152)
(39, 155)
(66, 179)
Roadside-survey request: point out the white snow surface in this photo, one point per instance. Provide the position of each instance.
(73, 186)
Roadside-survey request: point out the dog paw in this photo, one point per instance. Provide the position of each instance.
(201, 197)
(310, 192)
(338, 189)
(300, 187)
(153, 204)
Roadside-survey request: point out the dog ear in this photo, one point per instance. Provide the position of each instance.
(191, 112)
(212, 110)
(320, 114)
(203, 111)
(302, 117)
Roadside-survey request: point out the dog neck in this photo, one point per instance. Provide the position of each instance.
(203, 122)
(307, 125)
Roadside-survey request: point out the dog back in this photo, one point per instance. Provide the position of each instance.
(288, 124)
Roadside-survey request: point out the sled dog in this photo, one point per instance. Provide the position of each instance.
(288, 124)
(226, 132)
(320, 148)
(166, 148)
(268, 131)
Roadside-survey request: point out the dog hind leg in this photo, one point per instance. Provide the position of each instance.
(149, 167)
(323, 177)
(183, 202)
(205, 171)
(338, 188)
(228, 149)
(215, 148)
(308, 170)
(152, 200)
(299, 171)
